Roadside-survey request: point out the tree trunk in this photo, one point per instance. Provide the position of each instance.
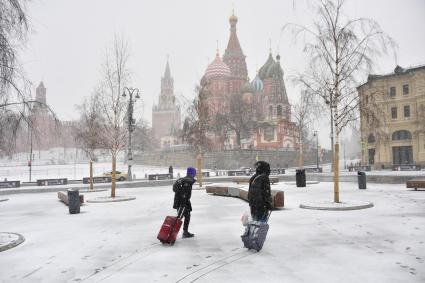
(114, 165)
(336, 172)
(336, 157)
(332, 141)
(199, 167)
(91, 174)
(301, 157)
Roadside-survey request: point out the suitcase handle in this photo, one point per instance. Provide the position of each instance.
(180, 212)
(270, 213)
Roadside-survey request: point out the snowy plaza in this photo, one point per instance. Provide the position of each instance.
(116, 242)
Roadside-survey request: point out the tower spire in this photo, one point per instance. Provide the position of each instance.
(270, 45)
(167, 73)
(233, 55)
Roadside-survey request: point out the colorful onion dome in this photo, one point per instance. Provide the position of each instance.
(247, 87)
(262, 73)
(257, 84)
(217, 69)
(275, 70)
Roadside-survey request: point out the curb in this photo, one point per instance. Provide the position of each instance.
(12, 244)
(109, 199)
(348, 206)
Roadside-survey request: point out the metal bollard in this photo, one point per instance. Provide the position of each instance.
(73, 201)
(300, 178)
(361, 179)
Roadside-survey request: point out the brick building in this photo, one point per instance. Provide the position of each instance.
(266, 95)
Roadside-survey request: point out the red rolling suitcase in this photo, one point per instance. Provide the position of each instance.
(170, 228)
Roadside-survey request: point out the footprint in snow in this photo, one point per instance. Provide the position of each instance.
(208, 256)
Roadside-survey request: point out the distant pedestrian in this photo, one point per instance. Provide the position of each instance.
(183, 191)
(259, 193)
(170, 170)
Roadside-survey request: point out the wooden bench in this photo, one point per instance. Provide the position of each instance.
(278, 197)
(416, 183)
(63, 196)
(160, 176)
(245, 179)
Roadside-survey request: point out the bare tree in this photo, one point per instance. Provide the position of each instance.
(239, 119)
(196, 127)
(375, 118)
(340, 52)
(197, 122)
(13, 31)
(114, 76)
(143, 137)
(304, 112)
(88, 134)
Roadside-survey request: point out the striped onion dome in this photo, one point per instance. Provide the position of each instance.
(257, 84)
(217, 69)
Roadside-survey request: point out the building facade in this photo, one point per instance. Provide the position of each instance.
(265, 99)
(166, 116)
(392, 110)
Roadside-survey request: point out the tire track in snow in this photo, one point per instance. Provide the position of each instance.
(121, 263)
(200, 272)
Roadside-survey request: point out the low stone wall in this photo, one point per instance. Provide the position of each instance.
(229, 159)
(278, 196)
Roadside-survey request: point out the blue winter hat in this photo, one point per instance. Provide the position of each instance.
(191, 171)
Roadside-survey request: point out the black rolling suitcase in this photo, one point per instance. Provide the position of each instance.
(255, 234)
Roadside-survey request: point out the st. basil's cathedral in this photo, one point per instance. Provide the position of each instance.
(266, 96)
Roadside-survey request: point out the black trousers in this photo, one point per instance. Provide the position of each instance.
(186, 215)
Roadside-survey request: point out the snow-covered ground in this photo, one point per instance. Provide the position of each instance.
(116, 242)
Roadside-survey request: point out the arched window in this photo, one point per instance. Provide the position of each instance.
(371, 138)
(279, 110)
(270, 111)
(401, 135)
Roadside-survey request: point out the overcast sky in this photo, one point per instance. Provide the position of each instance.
(68, 39)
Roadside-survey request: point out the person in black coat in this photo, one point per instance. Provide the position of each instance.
(259, 193)
(182, 192)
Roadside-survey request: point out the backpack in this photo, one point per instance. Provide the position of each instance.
(256, 193)
(178, 186)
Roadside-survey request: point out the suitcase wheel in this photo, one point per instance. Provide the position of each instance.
(172, 243)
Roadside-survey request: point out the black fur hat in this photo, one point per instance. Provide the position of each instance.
(262, 167)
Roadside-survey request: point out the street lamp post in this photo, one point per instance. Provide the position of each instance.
(131, 126)
(316, 134)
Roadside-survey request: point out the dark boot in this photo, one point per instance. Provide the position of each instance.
(186, 234)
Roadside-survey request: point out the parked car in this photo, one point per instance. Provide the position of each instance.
(120, 176)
